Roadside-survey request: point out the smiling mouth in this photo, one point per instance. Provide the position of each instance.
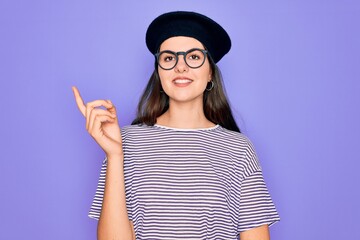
(182, 81)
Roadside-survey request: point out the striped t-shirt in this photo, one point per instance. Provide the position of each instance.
(190, 183)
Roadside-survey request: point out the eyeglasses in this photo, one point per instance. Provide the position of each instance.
(194, 58)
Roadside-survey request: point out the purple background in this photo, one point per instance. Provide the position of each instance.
(292, 77)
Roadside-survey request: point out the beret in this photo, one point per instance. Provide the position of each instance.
(188, 24)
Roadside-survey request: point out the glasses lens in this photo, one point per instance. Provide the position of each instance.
(167, 60)
(195, 58)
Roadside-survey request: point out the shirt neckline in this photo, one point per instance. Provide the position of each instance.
(187, 129)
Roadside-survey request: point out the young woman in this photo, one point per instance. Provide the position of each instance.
(182, 170)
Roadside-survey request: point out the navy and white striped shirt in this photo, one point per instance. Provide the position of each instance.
(190, 183)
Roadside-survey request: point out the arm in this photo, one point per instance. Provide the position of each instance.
(114, 222)
(258, 233)
(102, 125)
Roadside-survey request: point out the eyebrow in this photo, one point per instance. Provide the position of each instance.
(194, 48)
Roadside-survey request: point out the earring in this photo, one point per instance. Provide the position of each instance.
(211, 87)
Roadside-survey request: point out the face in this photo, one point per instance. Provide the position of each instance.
(182, 83)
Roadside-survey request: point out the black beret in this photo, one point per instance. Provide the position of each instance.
(189, 24)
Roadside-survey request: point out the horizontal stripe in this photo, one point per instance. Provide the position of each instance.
(190, 184)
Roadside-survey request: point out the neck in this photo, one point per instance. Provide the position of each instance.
(184, 115)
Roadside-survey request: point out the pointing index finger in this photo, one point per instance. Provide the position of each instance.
(79, 101)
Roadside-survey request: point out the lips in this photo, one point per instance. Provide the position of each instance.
(182, 81)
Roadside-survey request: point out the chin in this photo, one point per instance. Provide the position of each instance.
(186, 98)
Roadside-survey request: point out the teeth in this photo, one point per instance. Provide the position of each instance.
(182, 81)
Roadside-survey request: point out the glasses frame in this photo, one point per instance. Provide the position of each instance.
(176, 54)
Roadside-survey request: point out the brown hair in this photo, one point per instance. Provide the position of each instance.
(154, 102)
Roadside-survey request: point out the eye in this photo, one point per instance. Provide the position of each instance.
(167, 57)
(194, 56)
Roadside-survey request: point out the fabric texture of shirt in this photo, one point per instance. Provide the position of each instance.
(190, 183)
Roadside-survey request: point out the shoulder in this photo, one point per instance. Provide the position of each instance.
(128, 129)
(234, 139)
(240, 149)
(134, 128)
(137, 131)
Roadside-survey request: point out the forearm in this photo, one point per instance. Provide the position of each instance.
(114, 222)
(258, 233)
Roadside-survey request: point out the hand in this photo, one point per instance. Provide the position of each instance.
(101, 124)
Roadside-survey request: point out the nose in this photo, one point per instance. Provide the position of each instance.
(181, 65)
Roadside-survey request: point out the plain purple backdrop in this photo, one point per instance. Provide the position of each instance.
(292, 77)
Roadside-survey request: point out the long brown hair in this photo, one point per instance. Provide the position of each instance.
(154, 102)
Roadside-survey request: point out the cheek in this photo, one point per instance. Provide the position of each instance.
(164, 79)
(162, 75)
(206, 71)
(207, 74)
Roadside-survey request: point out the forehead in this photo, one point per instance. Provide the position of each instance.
(180, 43)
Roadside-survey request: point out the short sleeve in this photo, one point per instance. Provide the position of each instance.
(256, 207)
(96, 205)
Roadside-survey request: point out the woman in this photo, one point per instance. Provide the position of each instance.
(182, 170)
